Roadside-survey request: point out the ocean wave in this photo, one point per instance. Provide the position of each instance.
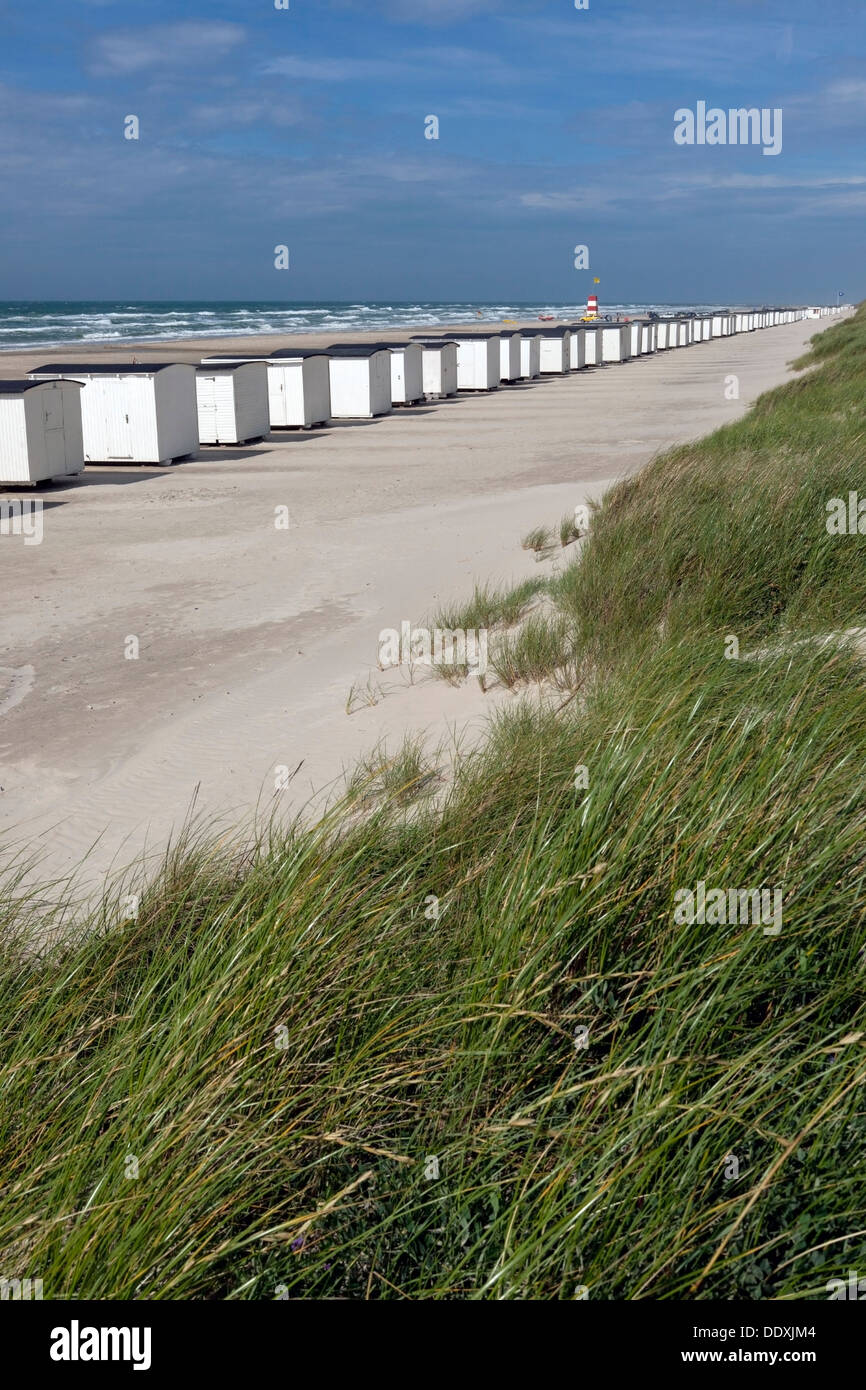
(50, 324)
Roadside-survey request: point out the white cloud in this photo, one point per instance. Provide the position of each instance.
(331, 69)
(411, 64)
(274, 112)
(125, 51)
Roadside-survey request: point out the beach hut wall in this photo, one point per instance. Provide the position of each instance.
(615, 342)
(555, 344)
(438, 366)
(40, 431)
(299, 386)
(530, 356)
(133, 412)
(360, 381)
(232, 402)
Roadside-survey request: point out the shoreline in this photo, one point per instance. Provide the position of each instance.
(191, 349)
(186, 349)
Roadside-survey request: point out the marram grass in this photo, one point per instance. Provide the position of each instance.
(469, 1052)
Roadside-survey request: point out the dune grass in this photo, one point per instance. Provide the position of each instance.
(540, 539)
(490, 606)
(401, 777)
(469, 1052)
(539, 650)
(568, 529)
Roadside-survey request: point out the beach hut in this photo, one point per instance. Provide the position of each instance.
(648, 337)
(530, 356)
(591, 345)
(634, 330)
(407, 373)
(40, 431)
(555, 351)
(615, 342)
(478, 361)
(577, 348)
(666, 334)
(299, 386)
(509, 356)
(706, 329)
(509, 352)
(360, 380)
(139, 412)
(232, 403)
(407, 370)
(438, 366)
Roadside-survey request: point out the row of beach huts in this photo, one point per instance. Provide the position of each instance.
(66, 415)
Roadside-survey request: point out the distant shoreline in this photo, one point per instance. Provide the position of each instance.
(90, 326)
(17, 361)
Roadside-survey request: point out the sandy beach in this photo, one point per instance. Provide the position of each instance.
(252, 638)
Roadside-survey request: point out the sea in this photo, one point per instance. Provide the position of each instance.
(35, 323)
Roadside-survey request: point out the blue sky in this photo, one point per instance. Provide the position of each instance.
(305, 127)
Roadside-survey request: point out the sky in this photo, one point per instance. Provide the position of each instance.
(305, 127)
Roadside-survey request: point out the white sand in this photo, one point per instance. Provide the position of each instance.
(250, 637)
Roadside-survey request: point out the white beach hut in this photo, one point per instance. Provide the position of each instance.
(407, 371)
(648, 337)
(478, 361)
(508, 343)
(299, 386)
(634, 339)
(40, 431)
(530, 356)
(591, 345)
(509, 357)
(438, 366)
(232, 403)
(555, 350)
(141, 412)
(577, 348)
(615, 342)
(360, 380)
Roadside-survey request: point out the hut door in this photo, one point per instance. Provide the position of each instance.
(55, 441)
(208, 416)
(115, 409)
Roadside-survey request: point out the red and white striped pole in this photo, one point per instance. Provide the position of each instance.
(592, 306)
